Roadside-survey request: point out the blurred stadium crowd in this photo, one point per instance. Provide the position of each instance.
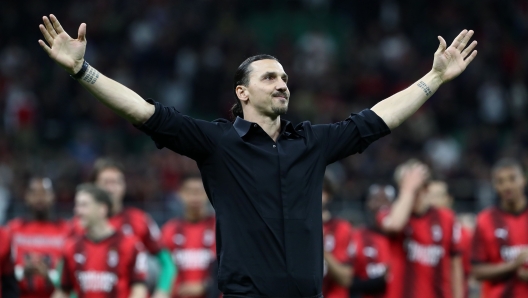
(342, 56)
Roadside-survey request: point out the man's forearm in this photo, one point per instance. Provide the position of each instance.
(493, 271)
(400, 106)
(123, 101)
(399, 213)
(138, 290)
(341, 273)
(457, 277)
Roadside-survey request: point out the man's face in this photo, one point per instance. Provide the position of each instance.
(87, 210)
(193, 194)
(112, 181)
(509, 183)
(39, 195)
(377, 199)
(267, 91)
(438, 194)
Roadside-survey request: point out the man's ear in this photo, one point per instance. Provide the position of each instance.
(242, 92)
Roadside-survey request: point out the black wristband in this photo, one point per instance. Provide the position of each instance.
(81, 72)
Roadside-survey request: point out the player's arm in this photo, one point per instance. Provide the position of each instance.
(69, 54)
(457, 276)
(138, 290)
(412, 180)
(167, 272)
(340, 273)
(448, 64)
(490, 271)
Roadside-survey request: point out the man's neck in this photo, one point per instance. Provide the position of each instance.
(515, 206)
(271, 125)
(117, 207)
(194, 215)
(420, 207)
(326, 216)
(40, 216)
(99, 230)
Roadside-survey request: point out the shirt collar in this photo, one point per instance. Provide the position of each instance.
(242, 127)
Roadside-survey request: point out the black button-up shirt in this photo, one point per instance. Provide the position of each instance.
(266, 194)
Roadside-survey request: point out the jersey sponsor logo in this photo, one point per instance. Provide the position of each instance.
(112, 259)
(38, 241)
(329, 243)
(193, 259)
(501, 233)
(96, 281)
(436, 233)
(428, 255)
(510, 253)
(375, 270)
(208, 237)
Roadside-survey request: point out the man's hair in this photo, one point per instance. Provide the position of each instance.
(400, 170)
(100, 196)
(102, 164)
(46, 182)
(506, 163)
(242, 78)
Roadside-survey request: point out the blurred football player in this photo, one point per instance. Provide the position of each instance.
(424, 240)
(8, 283)
(37, 241)
(191, 241)
(500, 242)
(103, 262)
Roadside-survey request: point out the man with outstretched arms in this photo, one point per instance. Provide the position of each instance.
(337, 242)
(109, 175)
(371, 248)
(103, 262)
(37, 241)
(262, 174)
(424, 240)
(500, 242)
(8, 283)
(191, 241)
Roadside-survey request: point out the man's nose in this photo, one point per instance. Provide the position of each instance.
(281, 85)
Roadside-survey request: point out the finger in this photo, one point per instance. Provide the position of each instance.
(459, 39)
(45, 46)
(46, 34)
(81, 34)
(466, 39)
(471, 57)
(49, 27)
(56, 24)
(469, 49)
(442, 46)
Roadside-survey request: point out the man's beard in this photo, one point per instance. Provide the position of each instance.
(279, 111)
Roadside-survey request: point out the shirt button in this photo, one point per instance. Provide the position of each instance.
(254, 125)
(274, 146)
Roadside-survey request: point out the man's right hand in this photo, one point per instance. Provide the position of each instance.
(66, 51)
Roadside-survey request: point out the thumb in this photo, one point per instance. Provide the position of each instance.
(442, 46)
(81, 35)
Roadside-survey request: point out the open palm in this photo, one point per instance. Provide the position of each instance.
(451, 62)
(66, 51)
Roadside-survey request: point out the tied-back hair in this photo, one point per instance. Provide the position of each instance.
(99, 195)
(242, 78)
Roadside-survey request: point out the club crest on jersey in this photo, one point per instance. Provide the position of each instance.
(178, 239)
(127, 229)
(501, 233)
(112, 258)
(370, 252)
(79, 258)
(436, 232)
(329, 243)
(208, 237)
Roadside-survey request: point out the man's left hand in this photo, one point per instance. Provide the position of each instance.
(451, 62)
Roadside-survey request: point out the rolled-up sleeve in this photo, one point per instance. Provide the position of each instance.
(180, 133)
(350, 136)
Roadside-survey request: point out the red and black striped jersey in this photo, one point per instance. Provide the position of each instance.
(37, 241)
(6, 262)
(132, 221)
(421, 255)
(465, 249)
(337, 239)
(499, 237)
(103, 269)
(193, 249)
(371, 256)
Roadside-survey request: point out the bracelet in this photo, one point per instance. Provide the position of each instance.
(81, 72)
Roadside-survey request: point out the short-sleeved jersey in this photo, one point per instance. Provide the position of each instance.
(132, 221)
(36, 241)
(465, 249)
(499, 237)
(107, 268)
(371, 256)
(421, 255)
(192, 246)
(337, 239)
(6, 261)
